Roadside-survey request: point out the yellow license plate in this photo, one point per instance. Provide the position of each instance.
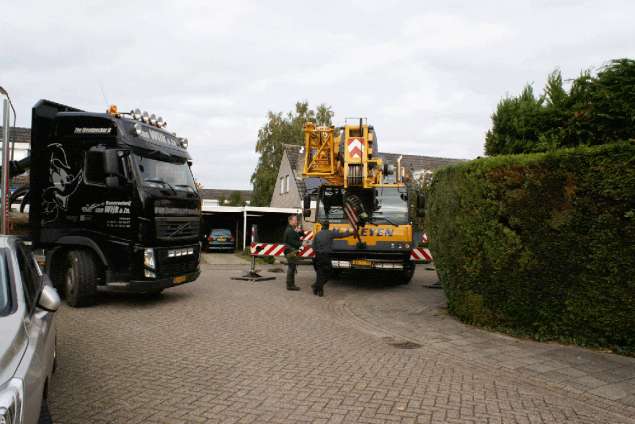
(222, 239)
(180, 279)
(362, 262)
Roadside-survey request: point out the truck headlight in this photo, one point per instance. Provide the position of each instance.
(11, 402)
(148, 260)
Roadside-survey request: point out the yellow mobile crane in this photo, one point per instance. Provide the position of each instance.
(353, 189)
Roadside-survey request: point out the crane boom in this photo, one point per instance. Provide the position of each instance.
(345, 159)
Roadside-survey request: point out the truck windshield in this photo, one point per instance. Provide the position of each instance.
(392, 206)
(176, 175)
(330, 206)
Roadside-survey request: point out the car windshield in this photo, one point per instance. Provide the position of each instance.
(176, 175)
(221, 233)
(392, 206)
(5, 289)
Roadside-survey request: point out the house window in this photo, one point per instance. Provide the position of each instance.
(281, 185)
(286, 183)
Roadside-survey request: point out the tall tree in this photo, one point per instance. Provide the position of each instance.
(597, 109)
(281, 129)
(515, 124)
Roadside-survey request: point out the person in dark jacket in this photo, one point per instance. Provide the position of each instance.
(323, 247)
(293, 243)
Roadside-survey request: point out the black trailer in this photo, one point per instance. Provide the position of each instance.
(112, 202)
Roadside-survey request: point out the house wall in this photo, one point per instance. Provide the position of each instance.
(290, 198)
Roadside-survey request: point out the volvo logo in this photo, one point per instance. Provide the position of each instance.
(180, 228)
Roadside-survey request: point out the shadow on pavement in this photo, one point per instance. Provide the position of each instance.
(149, 300)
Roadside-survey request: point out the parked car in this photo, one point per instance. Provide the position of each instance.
(27, 334)
(221, 239)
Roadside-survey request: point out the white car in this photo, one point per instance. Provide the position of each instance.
(27, 334)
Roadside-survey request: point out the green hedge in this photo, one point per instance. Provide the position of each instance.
(542, 244)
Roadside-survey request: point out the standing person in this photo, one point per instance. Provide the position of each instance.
(322, 245)
(292, 241)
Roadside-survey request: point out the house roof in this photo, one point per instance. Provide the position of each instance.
(410, 162)
(217, 193)
(296, 160)
(417, 162)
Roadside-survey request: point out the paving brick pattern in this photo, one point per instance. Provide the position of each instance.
(229, 351)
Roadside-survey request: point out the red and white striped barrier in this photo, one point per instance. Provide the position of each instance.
(306, 252)
(277, 249)
(420, 254)
(267, 249)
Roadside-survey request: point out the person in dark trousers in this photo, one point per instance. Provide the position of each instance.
(293, 243)
(323, 247)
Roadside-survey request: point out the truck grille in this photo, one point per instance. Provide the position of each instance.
(175, 265)
(177, 228)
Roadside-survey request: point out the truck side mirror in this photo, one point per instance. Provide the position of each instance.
(112, 168)
(307, 211)
(111, 162)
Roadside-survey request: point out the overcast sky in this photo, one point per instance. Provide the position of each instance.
(427, 74)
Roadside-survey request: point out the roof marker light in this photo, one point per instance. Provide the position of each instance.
(112, 110)
(145, 117)
(153, 119)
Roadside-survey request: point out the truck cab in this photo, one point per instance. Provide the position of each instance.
(386, 238)
(112, 201)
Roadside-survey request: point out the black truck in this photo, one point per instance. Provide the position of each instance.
(112, 202)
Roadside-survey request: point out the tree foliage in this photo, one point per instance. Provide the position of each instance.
(281, 129)
(597, 109)
(235, 199)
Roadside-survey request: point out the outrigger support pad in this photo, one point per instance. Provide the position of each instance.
(252, 275)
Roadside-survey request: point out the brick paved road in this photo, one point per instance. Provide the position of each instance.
(230, 351)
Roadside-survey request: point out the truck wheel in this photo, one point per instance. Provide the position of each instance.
(406, 275)
(81, 279)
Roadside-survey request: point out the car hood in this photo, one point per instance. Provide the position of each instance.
(13, 342)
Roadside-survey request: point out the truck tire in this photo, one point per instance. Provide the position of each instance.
(80, 284)
(406, 275)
